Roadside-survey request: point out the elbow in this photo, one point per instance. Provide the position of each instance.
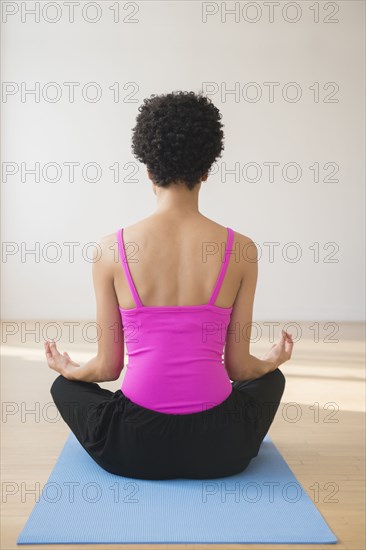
(114, 375)
(117, 375)
(233, 374)
(111, 374)
(239, 373)
(236, 378)
(110, 378)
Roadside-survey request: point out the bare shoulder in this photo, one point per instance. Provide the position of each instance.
(246, 255)
(243, 239)
(247, 247)
(109, 242)
(244, 251)
(107, 250)
(238, 237)
(105, 241)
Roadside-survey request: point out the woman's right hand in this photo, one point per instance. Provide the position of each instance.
(280, 352)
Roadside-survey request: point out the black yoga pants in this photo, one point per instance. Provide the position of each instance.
(129, 440)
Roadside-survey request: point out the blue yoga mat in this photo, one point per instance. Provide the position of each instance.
(82, 503)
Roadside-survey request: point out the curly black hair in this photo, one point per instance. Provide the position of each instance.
(178, 136)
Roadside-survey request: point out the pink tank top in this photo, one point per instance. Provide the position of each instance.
(175, 353)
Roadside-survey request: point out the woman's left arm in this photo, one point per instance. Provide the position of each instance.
(107, 365)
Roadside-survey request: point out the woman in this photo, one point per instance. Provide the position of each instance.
(194, 402)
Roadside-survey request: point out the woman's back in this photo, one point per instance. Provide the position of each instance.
(176, 262)
(174, 333)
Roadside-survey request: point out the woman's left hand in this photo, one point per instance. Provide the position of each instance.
(62, 364)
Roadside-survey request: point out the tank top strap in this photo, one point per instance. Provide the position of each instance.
(126, 269)
(224, 266)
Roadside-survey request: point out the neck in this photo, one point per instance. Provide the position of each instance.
(177, 198)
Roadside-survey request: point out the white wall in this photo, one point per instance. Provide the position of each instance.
(169, 47)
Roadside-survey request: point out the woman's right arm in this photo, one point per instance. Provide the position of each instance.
(239, 363)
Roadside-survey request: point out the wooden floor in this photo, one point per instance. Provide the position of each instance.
(319, 428)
